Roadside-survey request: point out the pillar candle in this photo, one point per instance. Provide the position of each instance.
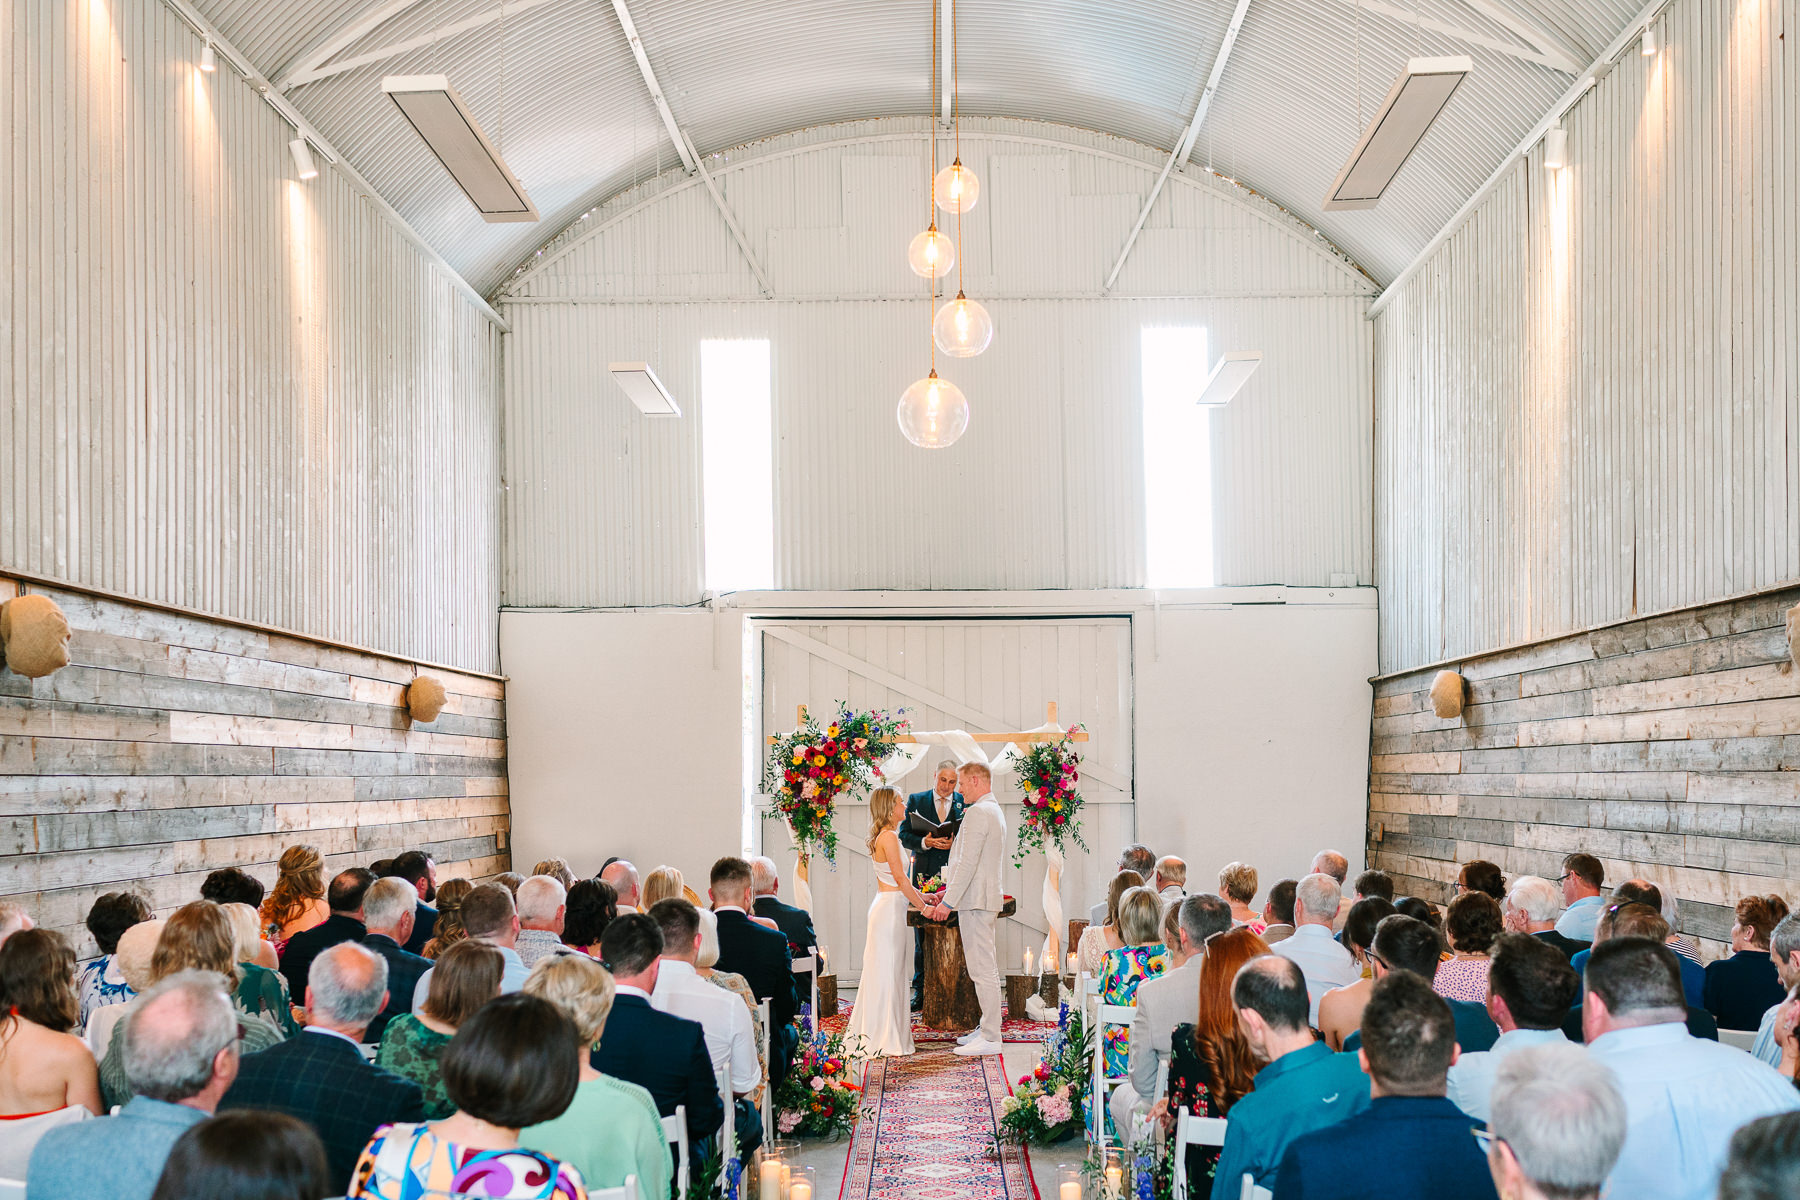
(1070, 1190)
(769, 1177)
(801, 1190)
(1028, 960)
(1115, 1182)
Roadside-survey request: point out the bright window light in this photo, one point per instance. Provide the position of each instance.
(737, 464)
(1178, 539)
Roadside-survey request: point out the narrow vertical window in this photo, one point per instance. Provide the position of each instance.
(1178, 540)
(737, 464)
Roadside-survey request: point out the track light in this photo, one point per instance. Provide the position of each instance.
(209, 62)
(1556, 148)
(303, 159)
(1647, 46)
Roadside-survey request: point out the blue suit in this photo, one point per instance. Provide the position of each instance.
(1402, 1148)
(666, 1056)
(926, 862)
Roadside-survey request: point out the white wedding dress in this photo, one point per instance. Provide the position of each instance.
(882, 1017)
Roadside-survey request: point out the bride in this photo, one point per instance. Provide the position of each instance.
(882, 1017)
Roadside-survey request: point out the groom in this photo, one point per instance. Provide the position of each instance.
(972, 888)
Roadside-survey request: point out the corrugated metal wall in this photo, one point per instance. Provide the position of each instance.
(1044, 491)
(220, 387)
(1588, 402)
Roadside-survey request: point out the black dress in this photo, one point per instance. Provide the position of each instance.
(1190, 1087)
(1740, 989)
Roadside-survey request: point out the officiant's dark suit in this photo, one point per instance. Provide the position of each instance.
(926, 862)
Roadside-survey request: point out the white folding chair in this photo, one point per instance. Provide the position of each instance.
(12, 1189)
(768, 1096)
(1195, 1131)
(1743, 1039)
(675, 1133)
(625, 1191)
(1248, 1192)
(1102, 1084)
(809, 966)
(728, 1133)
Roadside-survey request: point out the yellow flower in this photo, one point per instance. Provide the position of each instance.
(838, 780)
(818, 760)
(799, 756)
(832, 732)
(1056, 806)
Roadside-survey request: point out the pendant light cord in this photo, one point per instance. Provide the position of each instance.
(956, 124)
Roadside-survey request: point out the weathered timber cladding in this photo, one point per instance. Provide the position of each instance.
(1667, 747)
(173, 745)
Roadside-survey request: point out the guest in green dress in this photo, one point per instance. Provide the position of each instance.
(259, 990)
(611, 1129)
(467, 976)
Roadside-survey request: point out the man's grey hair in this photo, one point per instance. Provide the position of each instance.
(764, 876)
(348, 984)
(1536, 897)
(1563, 1115)
(621, 872)
(387, 901)
(1330, 862)
(173, 1032)
(1203, 915)
(1172, 870)
(1318, 896)
(1138, 857)
(949, 764)
(539, 898)
(1785, 940)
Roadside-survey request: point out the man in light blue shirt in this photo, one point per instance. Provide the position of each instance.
(1305, 1086)
(1530, 989)
(1784, 948)
(489, 916)
(1685, 1096)
(1324, 962)
(1582, 880)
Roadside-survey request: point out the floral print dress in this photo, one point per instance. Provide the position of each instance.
(1121, 971)
(411, 1162)
(1190, 1087)
(412, 1049)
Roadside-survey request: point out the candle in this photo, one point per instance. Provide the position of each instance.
(1071, 962)
(1028, 960)
(769, 1178)
(1115, 1182)
(801, 1190)
(1070, 1190)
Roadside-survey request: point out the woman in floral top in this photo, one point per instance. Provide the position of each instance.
(1210, 1064)
(512, 1064)
(412, 1045)
(1121, 971)
(1472, 924)
(101, 982)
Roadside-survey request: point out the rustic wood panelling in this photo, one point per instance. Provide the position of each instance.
(173, 745)
(1668, 747)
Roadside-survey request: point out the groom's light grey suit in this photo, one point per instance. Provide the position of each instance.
(972, 888)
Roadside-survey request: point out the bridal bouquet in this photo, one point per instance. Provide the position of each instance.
(1048, 1104)
(818, 1099)
(1048, 773)
(811, 767)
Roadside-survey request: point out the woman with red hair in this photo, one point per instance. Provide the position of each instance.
(1210, 1065)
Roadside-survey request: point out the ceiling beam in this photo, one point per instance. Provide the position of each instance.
(1554, 59)
(737, 232)
(319, 54)
(1541, 39)
(343, 66)
(683, 147)
(1185, 146)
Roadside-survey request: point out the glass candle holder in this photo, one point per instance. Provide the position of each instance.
(1113, 1176)
(803, 1183)
(1068, 1183)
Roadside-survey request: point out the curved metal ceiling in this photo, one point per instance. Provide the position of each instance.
(555, 84)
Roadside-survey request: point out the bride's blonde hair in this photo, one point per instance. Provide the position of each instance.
(881, 813)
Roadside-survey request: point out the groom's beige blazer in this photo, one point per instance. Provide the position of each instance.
(973, 874)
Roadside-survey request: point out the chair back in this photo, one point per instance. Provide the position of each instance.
(625, 1191)
(676, 1134)
(768, 1056)
(18, 1137)
(1102, 1083)
(809, 966)
(1195, 1131)
(1250, 1191)
(12, 1189)
(1743, 1039)
(728, 1145)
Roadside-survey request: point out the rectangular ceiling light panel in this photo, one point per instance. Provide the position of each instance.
(1233, 371)
(1414, 102)
(450, 130)
(645, 389)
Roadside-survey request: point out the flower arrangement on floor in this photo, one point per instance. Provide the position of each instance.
(810, 768)
(1051, 813)
(818, 1098)
(1048, 1104)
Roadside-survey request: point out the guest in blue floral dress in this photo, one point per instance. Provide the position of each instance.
(1121, 971)
(101, 982)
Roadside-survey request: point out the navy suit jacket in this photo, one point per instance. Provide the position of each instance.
(761, 956)
(403, 978)
(927, 863)
(1740, 989)
(325, 1081)
(1568, 945)
(797, 924)
(297, 956)
(424, 926)
(666, 1056)
(1400, 1148)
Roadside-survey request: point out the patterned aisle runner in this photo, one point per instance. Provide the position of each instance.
(927, 1133)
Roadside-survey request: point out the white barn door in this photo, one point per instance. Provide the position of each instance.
(980, 675)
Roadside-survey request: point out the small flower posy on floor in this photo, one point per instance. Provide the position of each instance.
(818, 1099)
(1048, 1103)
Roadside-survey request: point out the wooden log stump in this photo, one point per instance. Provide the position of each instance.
(1019, 988)
(1050, 989)
(949, 995)
(828, 997)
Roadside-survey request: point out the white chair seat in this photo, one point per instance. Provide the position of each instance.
(1743, 1039)
(1195, 1131)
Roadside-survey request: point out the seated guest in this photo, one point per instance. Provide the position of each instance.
(1558, 1125)
(297, 901)
(1330, 862)
(1340, 1009)
(590, 908)
(511, 1066)
(1644, 920)
(1411, 1143)
(706, 962)
(1302, 1086)
(730, 1038)
(344, 925)
(1211, 1064)
(381, 868)
(1171, 879)
(180, 1050)
(137, 946)
(247, 1155)
(1532, 905)
(1097, 940)
(1530, 989)
(1405, 943)
(1481, 876)
(447, 927)
(1140, 861)
(510, 880)
(557, 869)
(1172, 998)
(664, 883)
(1143, 956)
(1582, 880)
(1784, 955)
(622, 877)
(1237, 883)
(419, 869)
(1684, 1095)
(796, 923)
(321, 1076)
(231, 885)
(611, 1130)
(101, 982)
(488, 915)
(1375, 884)
(1325, 964)
(1765, 1160)
(1471, 926)
(47, 1076)
(1740, 989)
(759, 955)
(412, 1045)
(1278, 912)
(661, 1053)
(389, 910)
(543, 906)
(1642, 891)
(260, 990)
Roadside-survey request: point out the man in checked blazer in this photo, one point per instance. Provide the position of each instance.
(320, 1076)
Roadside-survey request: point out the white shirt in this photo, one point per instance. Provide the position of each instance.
(1323, 962)
(730, 1038)
(1472, 1078)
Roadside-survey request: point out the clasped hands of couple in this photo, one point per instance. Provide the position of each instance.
(937, 910)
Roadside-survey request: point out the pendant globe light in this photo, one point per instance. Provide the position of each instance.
(962, 328)
(933, 412)
(931, 254)
(955, 189)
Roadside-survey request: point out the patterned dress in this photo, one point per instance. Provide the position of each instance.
(411, 1162)
(1190, 1088)
(1463, 979)
(412, 1050)
(97, 991)
(1121, 971)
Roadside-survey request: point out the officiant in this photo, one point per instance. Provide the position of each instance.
(937, 805)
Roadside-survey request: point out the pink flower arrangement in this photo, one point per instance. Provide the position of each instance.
(1054, 1108)
(1048, 776)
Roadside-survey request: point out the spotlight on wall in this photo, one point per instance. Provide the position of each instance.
(1556, 148)
(303, 159)
(209, 62)
(645, 389)
(1647, 45)
(1233, 371)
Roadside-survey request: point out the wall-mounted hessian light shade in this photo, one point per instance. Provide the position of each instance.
(931, 254)
(933, 412)
(956, 189)
(962, 328)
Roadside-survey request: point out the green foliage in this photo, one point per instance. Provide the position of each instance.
(808, 769)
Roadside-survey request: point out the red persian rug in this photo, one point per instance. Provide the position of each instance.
(1010, 1030)
(926, 1132)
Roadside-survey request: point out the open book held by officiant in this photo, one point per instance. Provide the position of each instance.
(925, 826)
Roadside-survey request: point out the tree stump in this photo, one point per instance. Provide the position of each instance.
(1019, 988)
(949, 995)
(828, 997)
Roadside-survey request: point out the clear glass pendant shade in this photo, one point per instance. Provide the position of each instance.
(933, 413)
(956, 189)
(931, 254)
(962, 328)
